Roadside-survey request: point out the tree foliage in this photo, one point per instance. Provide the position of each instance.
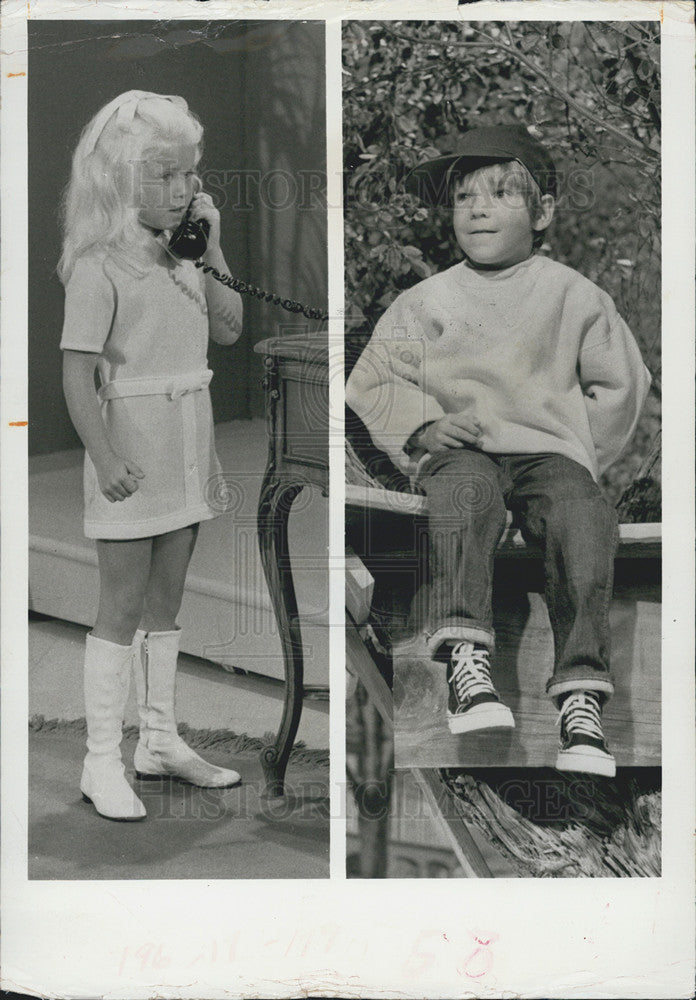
(589, 91)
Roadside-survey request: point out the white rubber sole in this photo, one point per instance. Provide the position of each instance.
(489, 715)
(588, 760)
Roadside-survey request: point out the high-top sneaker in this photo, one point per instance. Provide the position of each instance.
(583, 747)
(473, 702)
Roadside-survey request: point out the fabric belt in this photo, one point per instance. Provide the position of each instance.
(174, 387)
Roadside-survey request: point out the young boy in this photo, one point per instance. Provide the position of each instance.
(508, 381)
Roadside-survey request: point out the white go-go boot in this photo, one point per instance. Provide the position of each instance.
(106, 684)
(161, 753)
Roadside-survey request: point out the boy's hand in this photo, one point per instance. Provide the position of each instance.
(454, 430)
(118, 478)
(202, 208)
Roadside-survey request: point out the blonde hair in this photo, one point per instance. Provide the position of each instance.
(99, 204)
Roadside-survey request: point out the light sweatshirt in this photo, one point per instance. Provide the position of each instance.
(536, 352)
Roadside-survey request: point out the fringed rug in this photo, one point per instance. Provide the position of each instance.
(550, 825)
(198, 739)
(189, 832)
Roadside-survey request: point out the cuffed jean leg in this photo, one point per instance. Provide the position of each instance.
(466, 519)
(562, 509)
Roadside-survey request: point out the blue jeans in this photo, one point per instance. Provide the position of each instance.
(559, 507)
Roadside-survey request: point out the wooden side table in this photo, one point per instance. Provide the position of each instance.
(296, 386)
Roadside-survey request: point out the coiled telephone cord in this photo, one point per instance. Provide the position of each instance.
(245, 289)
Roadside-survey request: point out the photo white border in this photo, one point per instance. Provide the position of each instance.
(398, 938)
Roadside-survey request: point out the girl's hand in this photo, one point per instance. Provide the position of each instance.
(454, 430)
(202, 207)
(118, 478)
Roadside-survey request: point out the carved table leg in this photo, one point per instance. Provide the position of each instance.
(275, 502)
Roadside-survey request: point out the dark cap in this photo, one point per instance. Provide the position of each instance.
(480, 147)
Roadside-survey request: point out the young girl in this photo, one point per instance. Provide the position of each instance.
(142, 318)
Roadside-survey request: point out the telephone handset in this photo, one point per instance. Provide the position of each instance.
(190, 239)
(189, 242)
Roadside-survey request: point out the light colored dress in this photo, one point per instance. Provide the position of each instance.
(149, 325)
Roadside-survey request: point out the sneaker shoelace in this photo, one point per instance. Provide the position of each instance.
(580, 713)
(470, 671)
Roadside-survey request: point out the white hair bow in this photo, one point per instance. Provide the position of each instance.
(126, 106)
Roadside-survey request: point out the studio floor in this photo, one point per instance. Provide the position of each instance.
(189, 832)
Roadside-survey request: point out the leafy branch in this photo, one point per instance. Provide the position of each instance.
(512, 51)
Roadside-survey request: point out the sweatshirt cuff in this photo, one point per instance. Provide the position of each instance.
(412, 447)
